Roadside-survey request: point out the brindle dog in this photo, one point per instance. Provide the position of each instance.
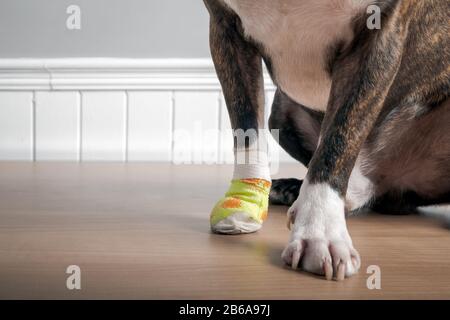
(367, 111)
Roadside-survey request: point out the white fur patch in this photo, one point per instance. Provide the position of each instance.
(360, 189)
(297, 35)
(320, 233)
(320, 213)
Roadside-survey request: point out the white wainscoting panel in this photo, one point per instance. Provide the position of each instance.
(16, 125)
(57, 132)
(103, 130)
(116, 110)
(196, 127)
(150, 125)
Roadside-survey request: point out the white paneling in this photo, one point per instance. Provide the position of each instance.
(57, 125)
(114, 110)
(103, 129)
(149, 126)
(16, 126)
(196, 127)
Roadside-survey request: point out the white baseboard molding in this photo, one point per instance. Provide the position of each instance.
(110, 74)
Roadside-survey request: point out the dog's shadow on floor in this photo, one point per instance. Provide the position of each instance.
(250, 242)
(273, 255)
(259, 249)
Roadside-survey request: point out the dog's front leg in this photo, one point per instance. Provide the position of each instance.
(320, 242)
(239, 68)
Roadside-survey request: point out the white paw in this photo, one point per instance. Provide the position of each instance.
(320, 242)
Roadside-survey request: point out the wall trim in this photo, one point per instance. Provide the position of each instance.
(110, 74)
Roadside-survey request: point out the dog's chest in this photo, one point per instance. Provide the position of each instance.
(297, 36)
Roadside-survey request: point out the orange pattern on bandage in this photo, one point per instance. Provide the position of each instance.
(258, 182)
(231, 203)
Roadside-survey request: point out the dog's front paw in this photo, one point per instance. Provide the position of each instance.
(323, 257)
(320, 242)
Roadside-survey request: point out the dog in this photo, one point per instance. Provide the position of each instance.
(366, 110)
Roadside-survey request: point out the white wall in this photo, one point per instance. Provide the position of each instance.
(109, 28)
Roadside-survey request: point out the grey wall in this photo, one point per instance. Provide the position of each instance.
(110, 28)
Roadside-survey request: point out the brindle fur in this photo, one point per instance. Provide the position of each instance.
(389, 100)
(239, 68)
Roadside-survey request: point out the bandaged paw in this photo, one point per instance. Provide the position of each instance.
(243, 209)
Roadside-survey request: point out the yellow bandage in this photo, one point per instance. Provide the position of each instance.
(244, 207)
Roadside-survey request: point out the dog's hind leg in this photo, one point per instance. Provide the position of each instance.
(413, 169)
(298, 133)
(238, 65)
(403, 203)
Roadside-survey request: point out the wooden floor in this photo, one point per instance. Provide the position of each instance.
(141, 231)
